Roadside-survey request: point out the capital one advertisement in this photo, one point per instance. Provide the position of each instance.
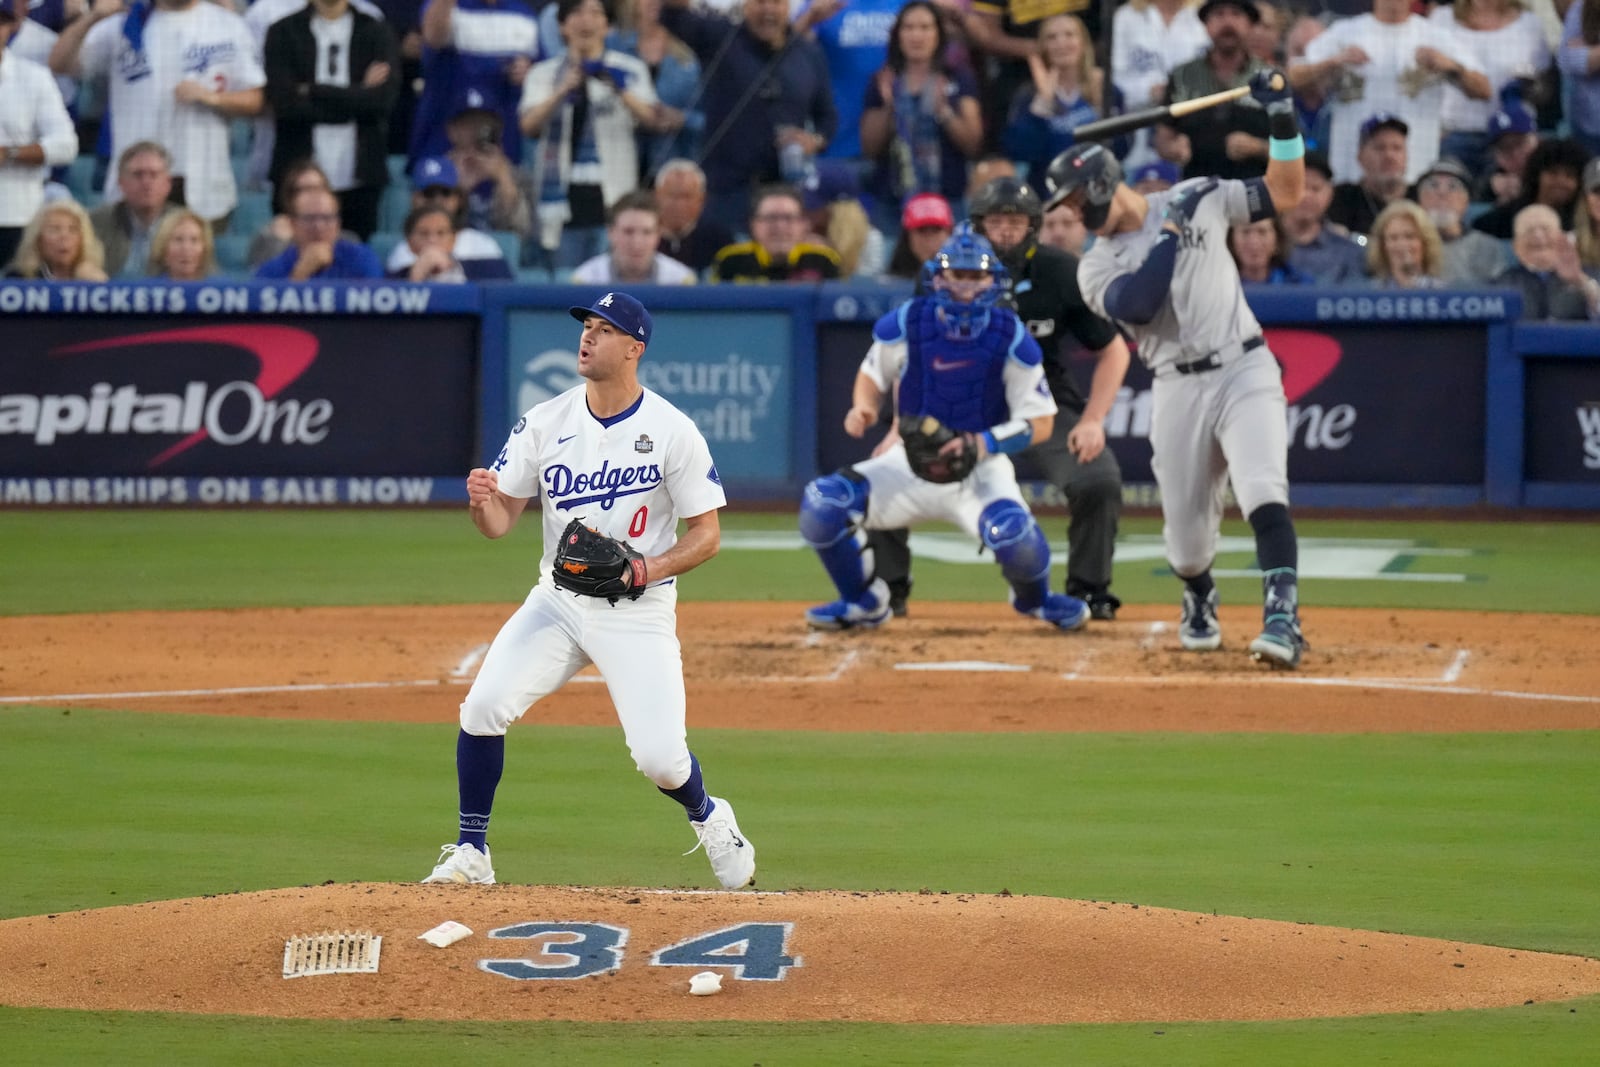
(176, 398)
(727, 370)
(1394, 404)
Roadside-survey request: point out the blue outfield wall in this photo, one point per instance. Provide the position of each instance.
(382, 393)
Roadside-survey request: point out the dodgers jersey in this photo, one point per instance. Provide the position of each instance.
(631, 476)
(1205, 308)
(204, 44)
(1027, 392)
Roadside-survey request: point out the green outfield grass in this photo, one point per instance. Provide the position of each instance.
(1491, 838)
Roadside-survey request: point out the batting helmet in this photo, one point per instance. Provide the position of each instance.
(964, 306)
(1089, 167)
(1007, 195)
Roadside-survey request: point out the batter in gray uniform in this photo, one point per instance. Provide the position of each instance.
(1160, 265)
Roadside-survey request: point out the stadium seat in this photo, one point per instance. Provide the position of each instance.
(80, 179)
(397, 171)
(510, 246)
(394, 206)
(233, 250)
(533, 276)
(382, 243)
(254, 211)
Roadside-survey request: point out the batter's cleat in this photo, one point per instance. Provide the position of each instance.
(462, 865)
(868, 613)
(1279, 645)
(1198, 628)
(1059, 610)
(732, 856)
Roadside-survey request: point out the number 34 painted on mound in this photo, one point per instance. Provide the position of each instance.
(755, 951)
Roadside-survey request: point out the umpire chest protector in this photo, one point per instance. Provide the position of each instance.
(960, 383)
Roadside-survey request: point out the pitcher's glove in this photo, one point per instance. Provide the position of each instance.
(931, 460)
(591, 564)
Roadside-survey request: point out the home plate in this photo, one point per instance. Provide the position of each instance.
(962, 665)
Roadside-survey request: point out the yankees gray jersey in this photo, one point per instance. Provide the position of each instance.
(1205, 309)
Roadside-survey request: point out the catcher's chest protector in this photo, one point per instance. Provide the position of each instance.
(960, 383)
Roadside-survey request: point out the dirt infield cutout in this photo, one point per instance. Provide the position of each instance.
(949, 958)
(852, 956)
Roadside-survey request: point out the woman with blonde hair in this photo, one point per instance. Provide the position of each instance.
(1068, 90)
(1404, 250)
(183, 249)
(60, 245)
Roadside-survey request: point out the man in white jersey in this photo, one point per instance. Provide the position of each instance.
(630, 465)
(1161, 267)
(179, 70)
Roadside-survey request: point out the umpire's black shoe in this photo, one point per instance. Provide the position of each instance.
(1102, 605)
(897, 606)
(899, 593)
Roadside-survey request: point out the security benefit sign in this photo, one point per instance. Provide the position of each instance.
(1562, 398)
(728, 371)
(181, 398)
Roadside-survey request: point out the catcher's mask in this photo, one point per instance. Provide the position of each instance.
(967, 280)
(1008, 195)
(1086, 175)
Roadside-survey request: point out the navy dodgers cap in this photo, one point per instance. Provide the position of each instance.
(621, 311)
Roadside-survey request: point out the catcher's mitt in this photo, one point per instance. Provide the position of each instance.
(925, 438)
(591, 564)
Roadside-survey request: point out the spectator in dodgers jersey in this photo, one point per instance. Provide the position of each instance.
(35, 134)
(127, 226)
(1507, 43)
(436, 184)
(318, 251)
(1148, 39)
(476, 53)
(1068, 90)
(634, 257)
(854, 36)
(686, 234)
(333, 75)
(765, 87)
(180, 72)
(1319, 249)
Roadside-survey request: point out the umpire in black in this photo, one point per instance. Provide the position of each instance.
(1045, 295)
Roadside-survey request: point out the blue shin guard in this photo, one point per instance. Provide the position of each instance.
(1024, 556)
(830, 520)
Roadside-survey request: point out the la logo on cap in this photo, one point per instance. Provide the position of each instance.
(605, 301)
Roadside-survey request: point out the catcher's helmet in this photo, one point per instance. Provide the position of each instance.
(964, 307)
(1089, 167)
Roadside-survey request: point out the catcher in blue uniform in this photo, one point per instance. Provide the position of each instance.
(969, 389)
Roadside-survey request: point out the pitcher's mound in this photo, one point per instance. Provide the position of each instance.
(627, 955)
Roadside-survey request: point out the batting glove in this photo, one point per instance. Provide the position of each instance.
(1270, 88)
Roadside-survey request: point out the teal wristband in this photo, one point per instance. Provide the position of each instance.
(1287, 151)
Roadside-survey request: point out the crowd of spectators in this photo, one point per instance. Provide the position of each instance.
(764, 141)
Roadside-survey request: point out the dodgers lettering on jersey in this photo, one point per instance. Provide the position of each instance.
(1205, 309)
(631, 477)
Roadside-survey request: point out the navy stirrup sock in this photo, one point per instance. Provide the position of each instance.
(692, 793)
(479, 763)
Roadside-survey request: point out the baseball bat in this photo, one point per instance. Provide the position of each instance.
(1105, 129)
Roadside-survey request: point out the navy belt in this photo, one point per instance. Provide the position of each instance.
(1214, 360)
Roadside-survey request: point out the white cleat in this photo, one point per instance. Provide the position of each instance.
(1198, 628)
(462, 865)
(732, 856)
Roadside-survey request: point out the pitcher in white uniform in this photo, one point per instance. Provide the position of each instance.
(630, 465)
(1161, 267)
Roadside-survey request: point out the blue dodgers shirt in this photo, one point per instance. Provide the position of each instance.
(350, 260)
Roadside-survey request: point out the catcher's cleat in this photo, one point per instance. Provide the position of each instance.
(1059, 610)
(1280, 645)
(732, 856)
(462, 865)
(868, 613)
(1198, 628)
